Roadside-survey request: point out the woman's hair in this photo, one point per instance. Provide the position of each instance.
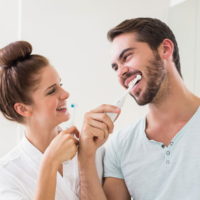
(18, 77)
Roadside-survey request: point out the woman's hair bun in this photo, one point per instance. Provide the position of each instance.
(14, 52)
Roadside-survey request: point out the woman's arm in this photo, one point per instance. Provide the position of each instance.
(62, 148)
(46, 184)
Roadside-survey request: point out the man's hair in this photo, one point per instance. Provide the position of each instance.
(149, 30)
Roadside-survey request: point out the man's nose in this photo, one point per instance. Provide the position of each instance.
(122, 71)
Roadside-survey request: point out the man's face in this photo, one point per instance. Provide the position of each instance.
(129, 58)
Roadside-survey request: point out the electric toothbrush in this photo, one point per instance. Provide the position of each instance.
(72, 110)
(120, 102)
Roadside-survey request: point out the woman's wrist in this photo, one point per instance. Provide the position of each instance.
(49, 162)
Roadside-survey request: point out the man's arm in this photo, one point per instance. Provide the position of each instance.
(90, 186)
(115, 189)
(96, 128)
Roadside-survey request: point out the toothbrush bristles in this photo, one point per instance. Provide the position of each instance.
(134, 81)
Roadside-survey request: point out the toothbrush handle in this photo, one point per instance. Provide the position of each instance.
(119, 104)
(113, 116)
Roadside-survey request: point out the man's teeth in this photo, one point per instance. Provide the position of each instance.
(135, 81)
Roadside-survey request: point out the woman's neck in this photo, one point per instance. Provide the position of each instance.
(40, 137)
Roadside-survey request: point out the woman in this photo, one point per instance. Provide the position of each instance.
(31, 94)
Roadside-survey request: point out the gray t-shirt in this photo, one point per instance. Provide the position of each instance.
(152, 171)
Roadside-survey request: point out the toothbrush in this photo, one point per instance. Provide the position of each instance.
(120, 102)
(70, 123)
(72, 109)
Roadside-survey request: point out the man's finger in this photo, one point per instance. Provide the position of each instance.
(104, 108)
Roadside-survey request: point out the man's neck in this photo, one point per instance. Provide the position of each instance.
(171, 111)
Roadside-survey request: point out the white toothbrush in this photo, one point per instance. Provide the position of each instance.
(120, 102)
(72, 110)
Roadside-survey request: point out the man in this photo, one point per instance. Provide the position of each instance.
(158, 158)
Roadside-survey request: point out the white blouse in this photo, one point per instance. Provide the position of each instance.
(19, 172)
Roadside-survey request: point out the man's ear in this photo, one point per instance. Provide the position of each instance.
(22, 109)
(166, 49)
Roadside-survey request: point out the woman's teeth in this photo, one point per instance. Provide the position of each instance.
(61, 108)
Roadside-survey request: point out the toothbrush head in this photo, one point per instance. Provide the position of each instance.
(134, 81)
(72, 105)
(72, 111)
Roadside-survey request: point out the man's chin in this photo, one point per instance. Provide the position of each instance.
(141, 101)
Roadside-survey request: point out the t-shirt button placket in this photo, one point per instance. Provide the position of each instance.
(167, 157)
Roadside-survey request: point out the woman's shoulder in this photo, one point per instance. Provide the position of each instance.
(11, 157)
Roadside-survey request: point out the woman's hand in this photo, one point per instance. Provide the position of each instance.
(96, 128)
(63, 147)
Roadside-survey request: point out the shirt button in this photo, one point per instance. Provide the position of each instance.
(168, 153)
(167, 161)
(163, 146)
(171, 143)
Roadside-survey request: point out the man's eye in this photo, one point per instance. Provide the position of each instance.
(126, 57)
(115, 67)
(51, 91)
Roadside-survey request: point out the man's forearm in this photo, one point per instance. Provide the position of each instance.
(90, 185)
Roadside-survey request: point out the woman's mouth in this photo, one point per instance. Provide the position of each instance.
(61, 109)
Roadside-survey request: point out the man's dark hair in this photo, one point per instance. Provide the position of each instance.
(149, 30)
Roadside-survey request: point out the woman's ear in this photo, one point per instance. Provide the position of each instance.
(166, 49)
(22, 109)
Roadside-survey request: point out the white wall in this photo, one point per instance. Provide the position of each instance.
(72, 34)
(183, 19)
(8, 33)
(197, 39)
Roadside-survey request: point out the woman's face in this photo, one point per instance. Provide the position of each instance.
(49, 99)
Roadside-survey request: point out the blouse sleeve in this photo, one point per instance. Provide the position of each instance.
(9, 188)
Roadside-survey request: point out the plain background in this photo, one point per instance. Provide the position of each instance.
(72, 35)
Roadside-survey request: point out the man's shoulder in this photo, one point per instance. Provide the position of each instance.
(131, 130)
(127, 135)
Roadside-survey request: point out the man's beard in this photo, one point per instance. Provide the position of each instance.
(155, 74)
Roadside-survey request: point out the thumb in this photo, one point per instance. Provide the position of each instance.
(72, 130)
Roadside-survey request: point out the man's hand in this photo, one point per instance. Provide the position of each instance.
(96, 128)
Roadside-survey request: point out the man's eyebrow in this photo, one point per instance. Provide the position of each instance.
(121, 55)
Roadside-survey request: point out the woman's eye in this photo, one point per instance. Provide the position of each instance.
(61, 84)
(51, 91)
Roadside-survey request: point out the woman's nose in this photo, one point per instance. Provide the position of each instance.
(64, 94)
